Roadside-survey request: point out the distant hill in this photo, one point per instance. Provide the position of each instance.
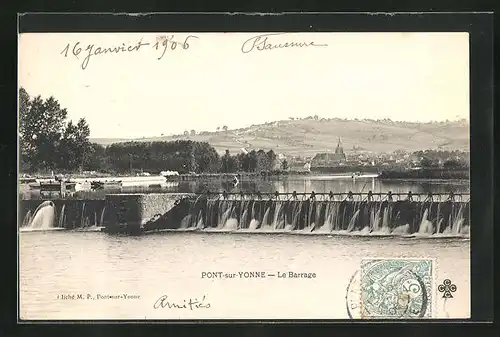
(306, 137)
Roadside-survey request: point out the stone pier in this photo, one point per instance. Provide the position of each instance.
(132, 212)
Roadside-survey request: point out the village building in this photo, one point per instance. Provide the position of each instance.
(328, 159)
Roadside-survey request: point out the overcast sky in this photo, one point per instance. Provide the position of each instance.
(402, 76)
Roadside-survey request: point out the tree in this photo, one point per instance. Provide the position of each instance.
(218, 129)
(41, 124)
(454, 163)
(186, 133)
(427, 162)
(193, 132)
(262, 161)
(271, 157)
(98, 160)
(284, 165)
(228, 163)
(206, 157)
(225, 128)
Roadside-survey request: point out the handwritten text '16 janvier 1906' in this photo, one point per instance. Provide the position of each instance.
(163, 44)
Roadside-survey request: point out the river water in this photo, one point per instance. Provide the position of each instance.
(325, 184)
(318, 184)
(56, 265)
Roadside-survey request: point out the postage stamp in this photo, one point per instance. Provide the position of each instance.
(396, 288)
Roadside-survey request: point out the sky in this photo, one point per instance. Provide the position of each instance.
(221, 80)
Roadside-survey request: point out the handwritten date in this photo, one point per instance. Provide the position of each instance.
(162, 44)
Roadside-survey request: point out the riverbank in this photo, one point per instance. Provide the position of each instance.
(429, 174)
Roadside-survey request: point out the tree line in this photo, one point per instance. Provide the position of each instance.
(184, 156)
(48, 141)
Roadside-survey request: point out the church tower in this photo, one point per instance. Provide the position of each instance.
(339, 149)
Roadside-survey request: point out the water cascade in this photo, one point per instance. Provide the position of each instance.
(62, 216)
(329, 214)
(425, 224)
(43, 218)
(309, 213)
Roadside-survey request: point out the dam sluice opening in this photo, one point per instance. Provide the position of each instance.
(364, 214)
(350, 213)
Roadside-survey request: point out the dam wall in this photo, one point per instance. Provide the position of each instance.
(136, 213)
(130, 212)
(330, 216)
(116, 213)
(69, 213)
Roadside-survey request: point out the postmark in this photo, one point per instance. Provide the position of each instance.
(391, 289)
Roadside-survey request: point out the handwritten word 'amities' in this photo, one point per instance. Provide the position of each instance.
(261, 43)
(163, 43)
(191, 304)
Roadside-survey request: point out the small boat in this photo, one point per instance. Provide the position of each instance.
(53, 186)
(27, 180)
(106, 185)
(34, 186)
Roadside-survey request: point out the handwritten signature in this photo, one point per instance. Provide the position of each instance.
(163, 43)
(190, 304)
(260, 43)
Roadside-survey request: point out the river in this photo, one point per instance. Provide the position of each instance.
(103, 268)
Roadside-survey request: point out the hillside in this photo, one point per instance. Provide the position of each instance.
(306, 137)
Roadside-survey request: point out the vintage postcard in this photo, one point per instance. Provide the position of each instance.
(231, 176)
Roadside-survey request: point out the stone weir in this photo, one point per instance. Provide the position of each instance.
(348, 212)
(117, 213)
(329, 213)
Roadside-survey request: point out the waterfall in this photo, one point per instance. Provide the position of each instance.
(374, 219)
(265, 222)
(43, 217)
(297, 208)
(385, 221)
(224, 214)
(332, 216)
(199, 224)
(403, 229)
(254, 216)
(27, 219)
(102, 216)
(277, 210)
(186, 221)
(425, 224)
(438, 219)
(82, 220)
(61, 216)
(438, 229)
(244, 214)
(211, 209)
(458, 221)
(353, 220)
(309, 220)
(320, 213)
(322, 216)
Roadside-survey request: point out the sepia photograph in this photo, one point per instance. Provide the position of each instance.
(243, 175)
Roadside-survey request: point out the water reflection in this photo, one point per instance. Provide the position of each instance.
(285, 185)
(336, 186)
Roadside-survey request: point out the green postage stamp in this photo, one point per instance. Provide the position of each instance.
(396, 288)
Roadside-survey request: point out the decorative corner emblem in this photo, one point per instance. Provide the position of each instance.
(447, 288)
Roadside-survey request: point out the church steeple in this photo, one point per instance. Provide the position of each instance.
(339, 149)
